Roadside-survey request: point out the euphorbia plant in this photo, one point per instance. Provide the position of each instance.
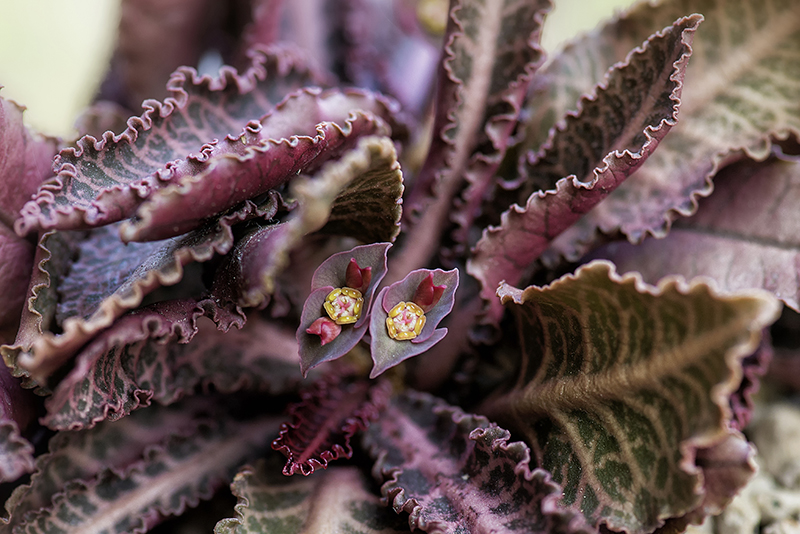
(258, 275)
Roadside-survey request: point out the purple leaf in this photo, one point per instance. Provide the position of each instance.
(16, 262)
(167, 351)
(169, 477)
(743, 236)
(596, 150)
(104, 181)
(730, 108)
(388, 351)
(332, 274)
(455, 472)
(329, 414)
(154, 38)
(25, 161)
(109, 279)
(491, 51)
(303, 132)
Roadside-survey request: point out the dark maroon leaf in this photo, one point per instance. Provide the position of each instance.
(168, 351)
(104, 181)
(16, 262)
(17, 410)
(491, 51)
(302, 133)
(743, 236)
(51, 262)
(329, 414)
(108, 279)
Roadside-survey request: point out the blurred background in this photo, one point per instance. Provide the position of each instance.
(53, 53)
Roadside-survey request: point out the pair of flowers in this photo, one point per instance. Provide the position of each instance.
(402, 322)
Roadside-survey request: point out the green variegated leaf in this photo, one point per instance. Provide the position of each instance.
(588, 156)
(167, 479)
(622, 383)
(457, 473)
(338, 500)
(742, 87)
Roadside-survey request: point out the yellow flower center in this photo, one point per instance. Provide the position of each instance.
(405, 321)
(343, 305)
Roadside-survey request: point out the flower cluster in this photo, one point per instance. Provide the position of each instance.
(335, 314)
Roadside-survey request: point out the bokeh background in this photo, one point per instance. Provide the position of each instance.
(53, 53)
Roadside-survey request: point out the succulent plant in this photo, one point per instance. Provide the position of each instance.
(493, 292)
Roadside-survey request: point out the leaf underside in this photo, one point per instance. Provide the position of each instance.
(743, 236)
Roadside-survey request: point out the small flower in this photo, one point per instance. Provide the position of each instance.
(343, 305)
(403, 323)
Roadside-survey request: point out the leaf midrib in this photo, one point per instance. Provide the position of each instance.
(584, 391)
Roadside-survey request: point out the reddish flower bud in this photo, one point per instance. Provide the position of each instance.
(356, 277)
(427, 294)
(326, 329)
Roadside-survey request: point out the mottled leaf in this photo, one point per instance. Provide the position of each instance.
(51, 261)
(596, 149)
(84, 455)
(143, 358)
(338, 500)
(455, 472)
(621, 383)
(491, 51)
(264, 255)
(26, 159)
(741, 88)
(146, 356)
(169, 478)
(109, 279)
(330, 412)
(743, 236)
(104, 181)
(330, 275)
(387, 351)
(299, 135)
